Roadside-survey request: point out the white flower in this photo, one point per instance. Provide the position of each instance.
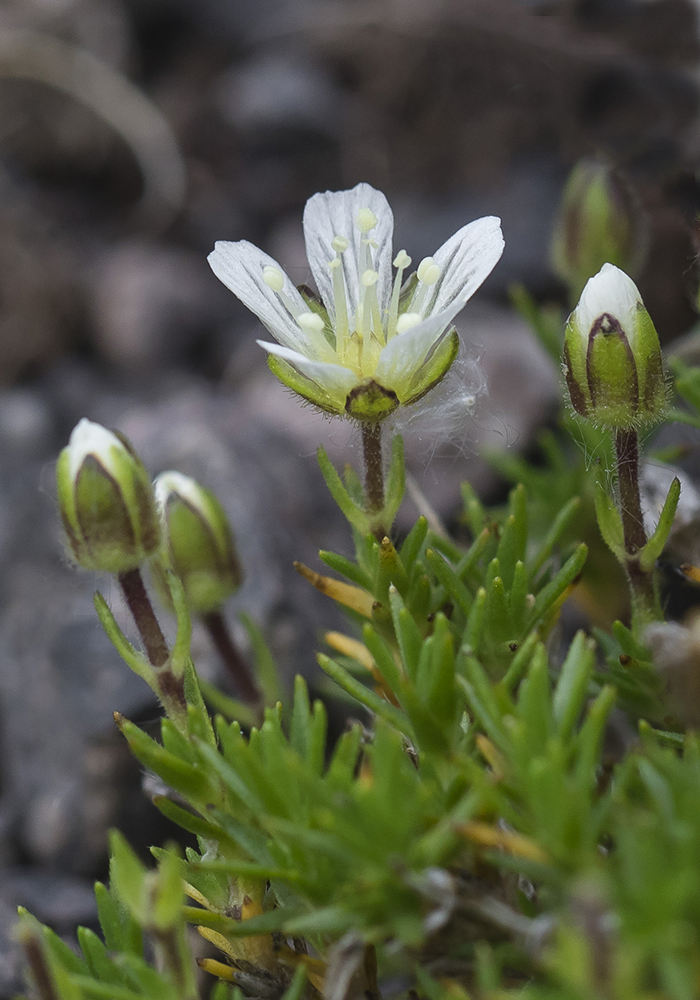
(373, 342)
(612, 358)
(610, 292)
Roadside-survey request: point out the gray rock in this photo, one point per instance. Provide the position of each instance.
(280, 90)
(151, 304)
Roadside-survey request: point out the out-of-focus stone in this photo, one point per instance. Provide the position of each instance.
(25, 422)
(151, 304)
(280, 90)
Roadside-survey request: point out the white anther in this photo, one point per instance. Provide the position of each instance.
(273, 278)
(428, 271)
(369, 278)
(339, 244)
(402, 260)
(406, 321)
(310, 321)
(336, 262)
(365, 220)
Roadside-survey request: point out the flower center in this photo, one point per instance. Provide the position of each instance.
(360, 336)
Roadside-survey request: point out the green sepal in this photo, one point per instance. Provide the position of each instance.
(198, 543)
(574, 367)
(304, 387)
(371, 401)
(613, 379)
(653, 386)
(432, 371)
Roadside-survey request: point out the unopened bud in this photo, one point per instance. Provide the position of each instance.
(106, 501)
(199, 541)
(612, 357)
(599, 220)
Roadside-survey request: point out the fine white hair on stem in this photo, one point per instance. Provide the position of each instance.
(445, 415)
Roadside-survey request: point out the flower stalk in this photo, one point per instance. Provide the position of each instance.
(645, 601)
(136, 596)
(374, 472)
(169, 687)
(237, 667)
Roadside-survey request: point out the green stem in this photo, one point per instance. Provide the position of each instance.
(645, 605)
(374, 473)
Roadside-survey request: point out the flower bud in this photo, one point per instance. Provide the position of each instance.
(598, 221)
(612, 357)
(199, 540)
(106, 501)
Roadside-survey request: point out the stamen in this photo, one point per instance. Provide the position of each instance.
(371, 304)
(365, 220)
(274, 279)
(369, 278)
(401, 262)
(342, 325)
(428, 273)
(407, 320)
(311, 322)
(340, 244)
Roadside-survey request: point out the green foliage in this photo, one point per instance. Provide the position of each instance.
(506, 814)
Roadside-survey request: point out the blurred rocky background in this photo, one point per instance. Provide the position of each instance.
(134, 133)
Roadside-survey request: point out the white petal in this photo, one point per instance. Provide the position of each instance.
(465, 261)
(406, 352)
(88, 438)
(240, 267)
(333, 214)
(334, 379)
(609, 291)
(176, 484)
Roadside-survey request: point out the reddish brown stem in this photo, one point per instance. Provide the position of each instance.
(374, 472)
(144, 617)
(171, 689)
(235, 664)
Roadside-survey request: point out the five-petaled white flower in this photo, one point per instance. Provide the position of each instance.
(372, 342)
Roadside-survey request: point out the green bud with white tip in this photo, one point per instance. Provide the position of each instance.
(199, 541)
(106, 501)
(612, 356)
(599, 220)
